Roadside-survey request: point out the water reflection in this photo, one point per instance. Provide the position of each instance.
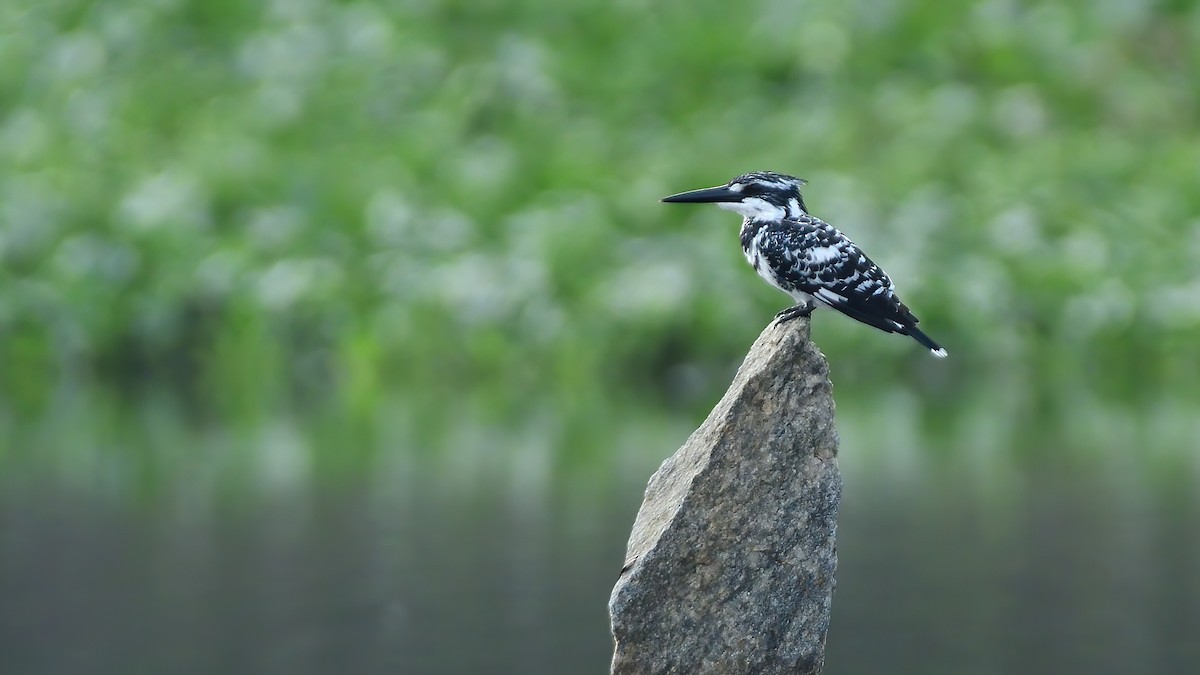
(1075, 571)
(1062, 566)
(341, 582)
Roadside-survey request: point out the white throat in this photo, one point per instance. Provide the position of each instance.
(755, 208)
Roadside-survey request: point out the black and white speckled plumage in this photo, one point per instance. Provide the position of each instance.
(807, 258)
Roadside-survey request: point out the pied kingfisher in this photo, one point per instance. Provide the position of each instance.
(806, 257)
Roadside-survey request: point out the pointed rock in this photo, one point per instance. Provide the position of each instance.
(730, 566)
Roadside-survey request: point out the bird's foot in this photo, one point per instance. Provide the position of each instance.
(795, 312)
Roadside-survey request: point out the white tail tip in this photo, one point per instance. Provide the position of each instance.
(940, 353)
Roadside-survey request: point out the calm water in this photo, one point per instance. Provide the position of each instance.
(1059, 566)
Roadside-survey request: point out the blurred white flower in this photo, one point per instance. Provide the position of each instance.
(648, 287)
(1112, 304)
(1020, 111)
(24, 135)
(1016, 230)
(482, 288)
(274, 227)
(90, 256)
(217, 275)
(288, 281)
(389, 218)
(291, 54)
(77, 55)
(366, 31)
(168, 198)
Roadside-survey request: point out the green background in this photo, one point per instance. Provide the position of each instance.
(259, 251)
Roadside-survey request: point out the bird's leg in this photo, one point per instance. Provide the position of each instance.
(803, 309)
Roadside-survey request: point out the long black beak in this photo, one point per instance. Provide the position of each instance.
(721, 193)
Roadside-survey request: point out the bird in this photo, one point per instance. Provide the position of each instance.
(807, 258)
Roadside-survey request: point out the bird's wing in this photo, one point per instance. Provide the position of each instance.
(817, 259)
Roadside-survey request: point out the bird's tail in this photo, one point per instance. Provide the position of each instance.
(932, 346)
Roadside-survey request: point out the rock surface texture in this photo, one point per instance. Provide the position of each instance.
(730, 566)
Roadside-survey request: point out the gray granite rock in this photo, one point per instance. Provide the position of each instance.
(730, 567)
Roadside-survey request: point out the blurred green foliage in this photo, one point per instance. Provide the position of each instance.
(263, 204)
